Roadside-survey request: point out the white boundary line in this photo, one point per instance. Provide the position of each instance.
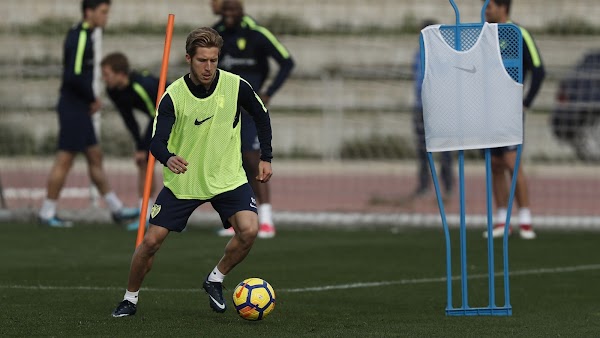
(331, 219)
(359, 285)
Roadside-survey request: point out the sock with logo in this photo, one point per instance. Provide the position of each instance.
(216, 276)
(131, 296)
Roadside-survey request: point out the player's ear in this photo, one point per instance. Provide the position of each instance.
(188, 58)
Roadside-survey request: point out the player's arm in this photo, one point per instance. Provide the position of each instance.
(126, 111)
(74, 77)
(163, 124)
(281, 55)
(533, 61)
(251, 103)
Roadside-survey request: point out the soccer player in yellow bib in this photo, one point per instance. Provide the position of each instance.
(197, 139)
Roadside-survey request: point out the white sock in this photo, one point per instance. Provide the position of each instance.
(264, 214)
(113, 202)
(48, 209)
(131, 296)
(525, 216)
(501, 216)
(216, 276)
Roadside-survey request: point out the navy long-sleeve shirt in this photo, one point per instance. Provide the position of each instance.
(246, 99)
(532, 66)
(246, 52)
(140, 94)
(78, 63)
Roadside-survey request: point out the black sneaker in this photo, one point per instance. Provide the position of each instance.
(125, 308)
(215, 295)
(125, 214)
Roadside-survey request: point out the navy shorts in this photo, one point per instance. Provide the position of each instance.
(249, 134)
(502, 150)
(76, 132)
(172, 213)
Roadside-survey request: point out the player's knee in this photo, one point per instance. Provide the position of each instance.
(64, 161)
(248, 231)
(151, 244)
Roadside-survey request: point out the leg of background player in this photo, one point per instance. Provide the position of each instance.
(521, 195)
(262, 191)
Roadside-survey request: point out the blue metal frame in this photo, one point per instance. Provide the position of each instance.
(492, 309)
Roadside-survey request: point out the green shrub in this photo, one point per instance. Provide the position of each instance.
(116, 144)
(16, 140)
(298, 153)
(378, 147)
(571, 26)
(48, 143)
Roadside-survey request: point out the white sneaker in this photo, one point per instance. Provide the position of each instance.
(229, 232)
(498, 231)
(266, 231)
(526, 232)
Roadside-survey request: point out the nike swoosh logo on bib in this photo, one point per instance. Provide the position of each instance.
(472, 70)
(196, 122)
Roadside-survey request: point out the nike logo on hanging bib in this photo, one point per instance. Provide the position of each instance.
(472, 70)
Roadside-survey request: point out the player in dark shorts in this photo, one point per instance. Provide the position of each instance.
(503, 159)
(198, 121)
(76, 105)
(130, 90)
(246, 51)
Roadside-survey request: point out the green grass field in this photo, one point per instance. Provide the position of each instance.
(66, 282)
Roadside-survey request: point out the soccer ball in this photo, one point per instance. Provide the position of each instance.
(254, 299)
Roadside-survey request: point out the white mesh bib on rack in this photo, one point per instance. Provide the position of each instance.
(470, 101)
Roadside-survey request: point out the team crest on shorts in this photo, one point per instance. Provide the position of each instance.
(155, 210)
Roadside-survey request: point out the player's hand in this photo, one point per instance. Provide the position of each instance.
(140, 157)
(95, 106)
(265, 99)
(177, 164)
(264, 171)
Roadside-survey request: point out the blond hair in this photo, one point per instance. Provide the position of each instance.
(204, 37)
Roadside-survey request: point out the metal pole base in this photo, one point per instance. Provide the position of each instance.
(480, 311)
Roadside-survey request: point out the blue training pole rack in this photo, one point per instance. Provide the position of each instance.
(462, 37)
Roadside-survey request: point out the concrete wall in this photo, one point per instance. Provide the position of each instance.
(30, 65)
(317, 13)
(364, 58)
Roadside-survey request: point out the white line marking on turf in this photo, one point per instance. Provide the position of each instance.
(541, 271)
(411, 281)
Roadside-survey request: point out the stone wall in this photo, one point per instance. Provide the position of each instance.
(316, 13)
